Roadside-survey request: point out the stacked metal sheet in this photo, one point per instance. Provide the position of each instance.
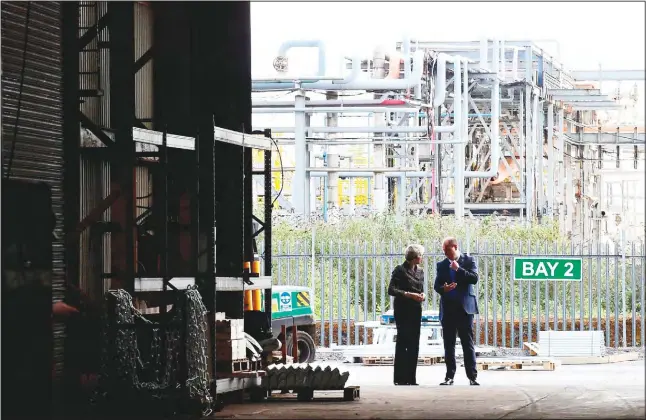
(312, 376)
(570, 343)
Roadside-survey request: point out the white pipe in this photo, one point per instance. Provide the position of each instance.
(464, 136)
(259, 103)
(561, 175)
(440, 80)
(465, 103)
(550, 160)
(495, 123)
(301, 79)
(501, 57)
(458, 160)
(389, 130)
(311, 43)
(537, 146)
(314, 110)
(484, 51)
(300, 185)
(290, 85)
(410, 142)
(407, 69)
(369, 174)
(353, 83)
(384, 170)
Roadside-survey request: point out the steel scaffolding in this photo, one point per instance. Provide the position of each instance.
(460, 128)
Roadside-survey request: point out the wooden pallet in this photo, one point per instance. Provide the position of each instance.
(350, 393)
(230, 366)
(517, 364)
(533, 348)
(389, 361)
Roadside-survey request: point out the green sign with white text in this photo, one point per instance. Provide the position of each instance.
(545, 269)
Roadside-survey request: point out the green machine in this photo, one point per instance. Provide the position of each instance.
(292, 305)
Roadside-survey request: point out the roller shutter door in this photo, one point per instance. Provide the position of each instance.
(32, 109)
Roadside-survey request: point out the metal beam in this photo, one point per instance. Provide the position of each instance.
(582, 98)
(609, 138)
(94, 129)
(573, 92)
(593, 106)
(338, 102)
(606, 75)
(95, 214)
(71, 134)
(122, 119)
(145, 58)
(91, 33)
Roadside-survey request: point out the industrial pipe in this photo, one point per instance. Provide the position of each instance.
(406, 51)
(413, 142)
(389, 130)
(495, 122)
(352, 82)
(312, 43)
(458, 151)
(484, 51)
(369, 174)
(381, 142)
(324, 102)
(315, 110)
(303, 84)
(501, 57)
(380, 170)
(440, 81)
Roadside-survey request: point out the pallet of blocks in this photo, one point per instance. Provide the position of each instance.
(307, 382)
(517, 363)
(230, 345)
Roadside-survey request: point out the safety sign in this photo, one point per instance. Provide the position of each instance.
(285, 302)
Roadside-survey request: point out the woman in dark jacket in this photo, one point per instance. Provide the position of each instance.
(407, 286)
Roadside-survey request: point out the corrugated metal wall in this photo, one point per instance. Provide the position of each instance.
(104, 68)
(89, 59)
(32, 134)
(95, 249)
(144, 77)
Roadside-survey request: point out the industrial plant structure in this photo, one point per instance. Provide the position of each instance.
(464, 128)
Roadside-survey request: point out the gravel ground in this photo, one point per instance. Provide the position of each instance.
(327, 355)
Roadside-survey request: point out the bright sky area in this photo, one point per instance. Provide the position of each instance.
(582, 35)
(610, 33)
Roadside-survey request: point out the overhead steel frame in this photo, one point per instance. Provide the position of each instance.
(214, 195)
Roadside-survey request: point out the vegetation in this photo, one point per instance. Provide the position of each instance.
(426, 230)
(353, 259)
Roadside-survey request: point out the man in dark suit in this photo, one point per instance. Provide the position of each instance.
(454, 282)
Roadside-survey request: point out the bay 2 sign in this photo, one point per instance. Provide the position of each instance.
(545, 269)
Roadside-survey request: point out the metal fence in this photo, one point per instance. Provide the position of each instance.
(350, 281)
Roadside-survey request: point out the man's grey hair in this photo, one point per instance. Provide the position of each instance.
(414, 251)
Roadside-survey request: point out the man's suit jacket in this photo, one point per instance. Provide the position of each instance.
(466, 277)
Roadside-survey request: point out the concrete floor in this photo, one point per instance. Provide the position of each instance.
(580, 391)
